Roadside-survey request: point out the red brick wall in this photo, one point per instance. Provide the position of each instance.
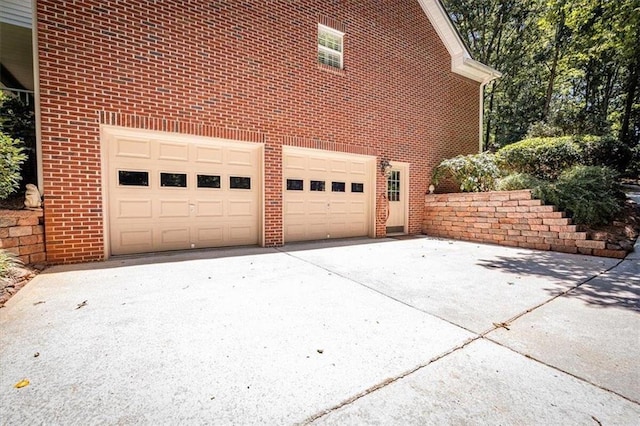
(509, 218)
(248, 66)
(22, 233)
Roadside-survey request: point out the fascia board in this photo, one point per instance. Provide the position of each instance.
(461, 61)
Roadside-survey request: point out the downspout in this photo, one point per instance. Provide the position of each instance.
(481, 114)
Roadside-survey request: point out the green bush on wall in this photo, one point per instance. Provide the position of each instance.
(517, 181)
(604, 151)
(544, 158)
(474, 173)
(11, 158)
(590, 194)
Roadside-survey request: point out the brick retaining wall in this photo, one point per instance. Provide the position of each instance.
(22, 233)
(509, 218)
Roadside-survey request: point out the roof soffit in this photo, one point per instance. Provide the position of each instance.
(461, 61)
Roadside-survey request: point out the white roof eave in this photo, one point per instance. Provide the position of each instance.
(461, 61)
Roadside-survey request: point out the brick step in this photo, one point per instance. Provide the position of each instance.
(512, 219)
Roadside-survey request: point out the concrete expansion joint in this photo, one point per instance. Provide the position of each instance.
(511, 320)
(346, 277)
(387, 382)
(508, 322)
(582, 379)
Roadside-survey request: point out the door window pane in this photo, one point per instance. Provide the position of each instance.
(132, 178)
(174, 180)
(317, 185)
(337, 186)
(295, 185)
(357, 187)
(208, 181)
(239, 182)
(393, 186)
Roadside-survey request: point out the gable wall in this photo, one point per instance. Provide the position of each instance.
(202, 67)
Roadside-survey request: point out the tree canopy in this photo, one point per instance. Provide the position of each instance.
(568, 67)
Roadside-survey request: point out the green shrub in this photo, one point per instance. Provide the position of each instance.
(516, 181)
(542, 129)
(474, 173)
(590, 194)
(11, 158)
(544, 158)
(8, 261)
(604, 151)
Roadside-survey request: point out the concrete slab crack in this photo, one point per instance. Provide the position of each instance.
(386, 383)
(395, 299)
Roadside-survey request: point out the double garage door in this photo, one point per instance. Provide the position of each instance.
(173, 192)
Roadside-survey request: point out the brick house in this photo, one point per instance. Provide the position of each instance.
(174, 125)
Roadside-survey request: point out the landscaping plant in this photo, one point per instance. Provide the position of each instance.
(8, 261)
(11, 158)
(544, 158)
(474, 173)
(604, 151)
(517, 181)
(591, 194)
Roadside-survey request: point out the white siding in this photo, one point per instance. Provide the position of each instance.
(16, 12)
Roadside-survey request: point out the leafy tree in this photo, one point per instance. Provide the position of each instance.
(568, 67)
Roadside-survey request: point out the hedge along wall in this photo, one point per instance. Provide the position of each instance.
(509, 218)
(22, 233)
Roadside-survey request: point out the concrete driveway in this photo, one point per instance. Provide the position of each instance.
(413, 331)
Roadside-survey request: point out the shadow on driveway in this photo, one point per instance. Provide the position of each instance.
(617, 286)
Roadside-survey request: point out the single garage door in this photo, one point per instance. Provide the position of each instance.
(326, 194)
(173, 192)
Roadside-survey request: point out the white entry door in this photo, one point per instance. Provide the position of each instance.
(398, 198)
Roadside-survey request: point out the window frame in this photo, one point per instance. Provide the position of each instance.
(332, 31)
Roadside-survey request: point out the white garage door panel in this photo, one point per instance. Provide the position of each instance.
(209, 208)
(134, 209)
(155, 217)
(212, 235)
(311, 215)
(173, 151)
(208, 155)
(133, 148)
(173, 209)
(136, 238)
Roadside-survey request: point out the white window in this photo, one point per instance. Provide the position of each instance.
(330, 46)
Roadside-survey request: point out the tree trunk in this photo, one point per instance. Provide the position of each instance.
(632, 86)
(489, 113)
(554, 64)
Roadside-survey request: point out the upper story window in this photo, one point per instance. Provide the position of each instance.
(330, 46)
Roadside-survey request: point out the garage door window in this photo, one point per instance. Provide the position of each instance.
(208, 181)
(357, 187)
(295, 185)
(173, 180)
(133, 178)
(317, 185)
(239, 182)
(337, 186)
